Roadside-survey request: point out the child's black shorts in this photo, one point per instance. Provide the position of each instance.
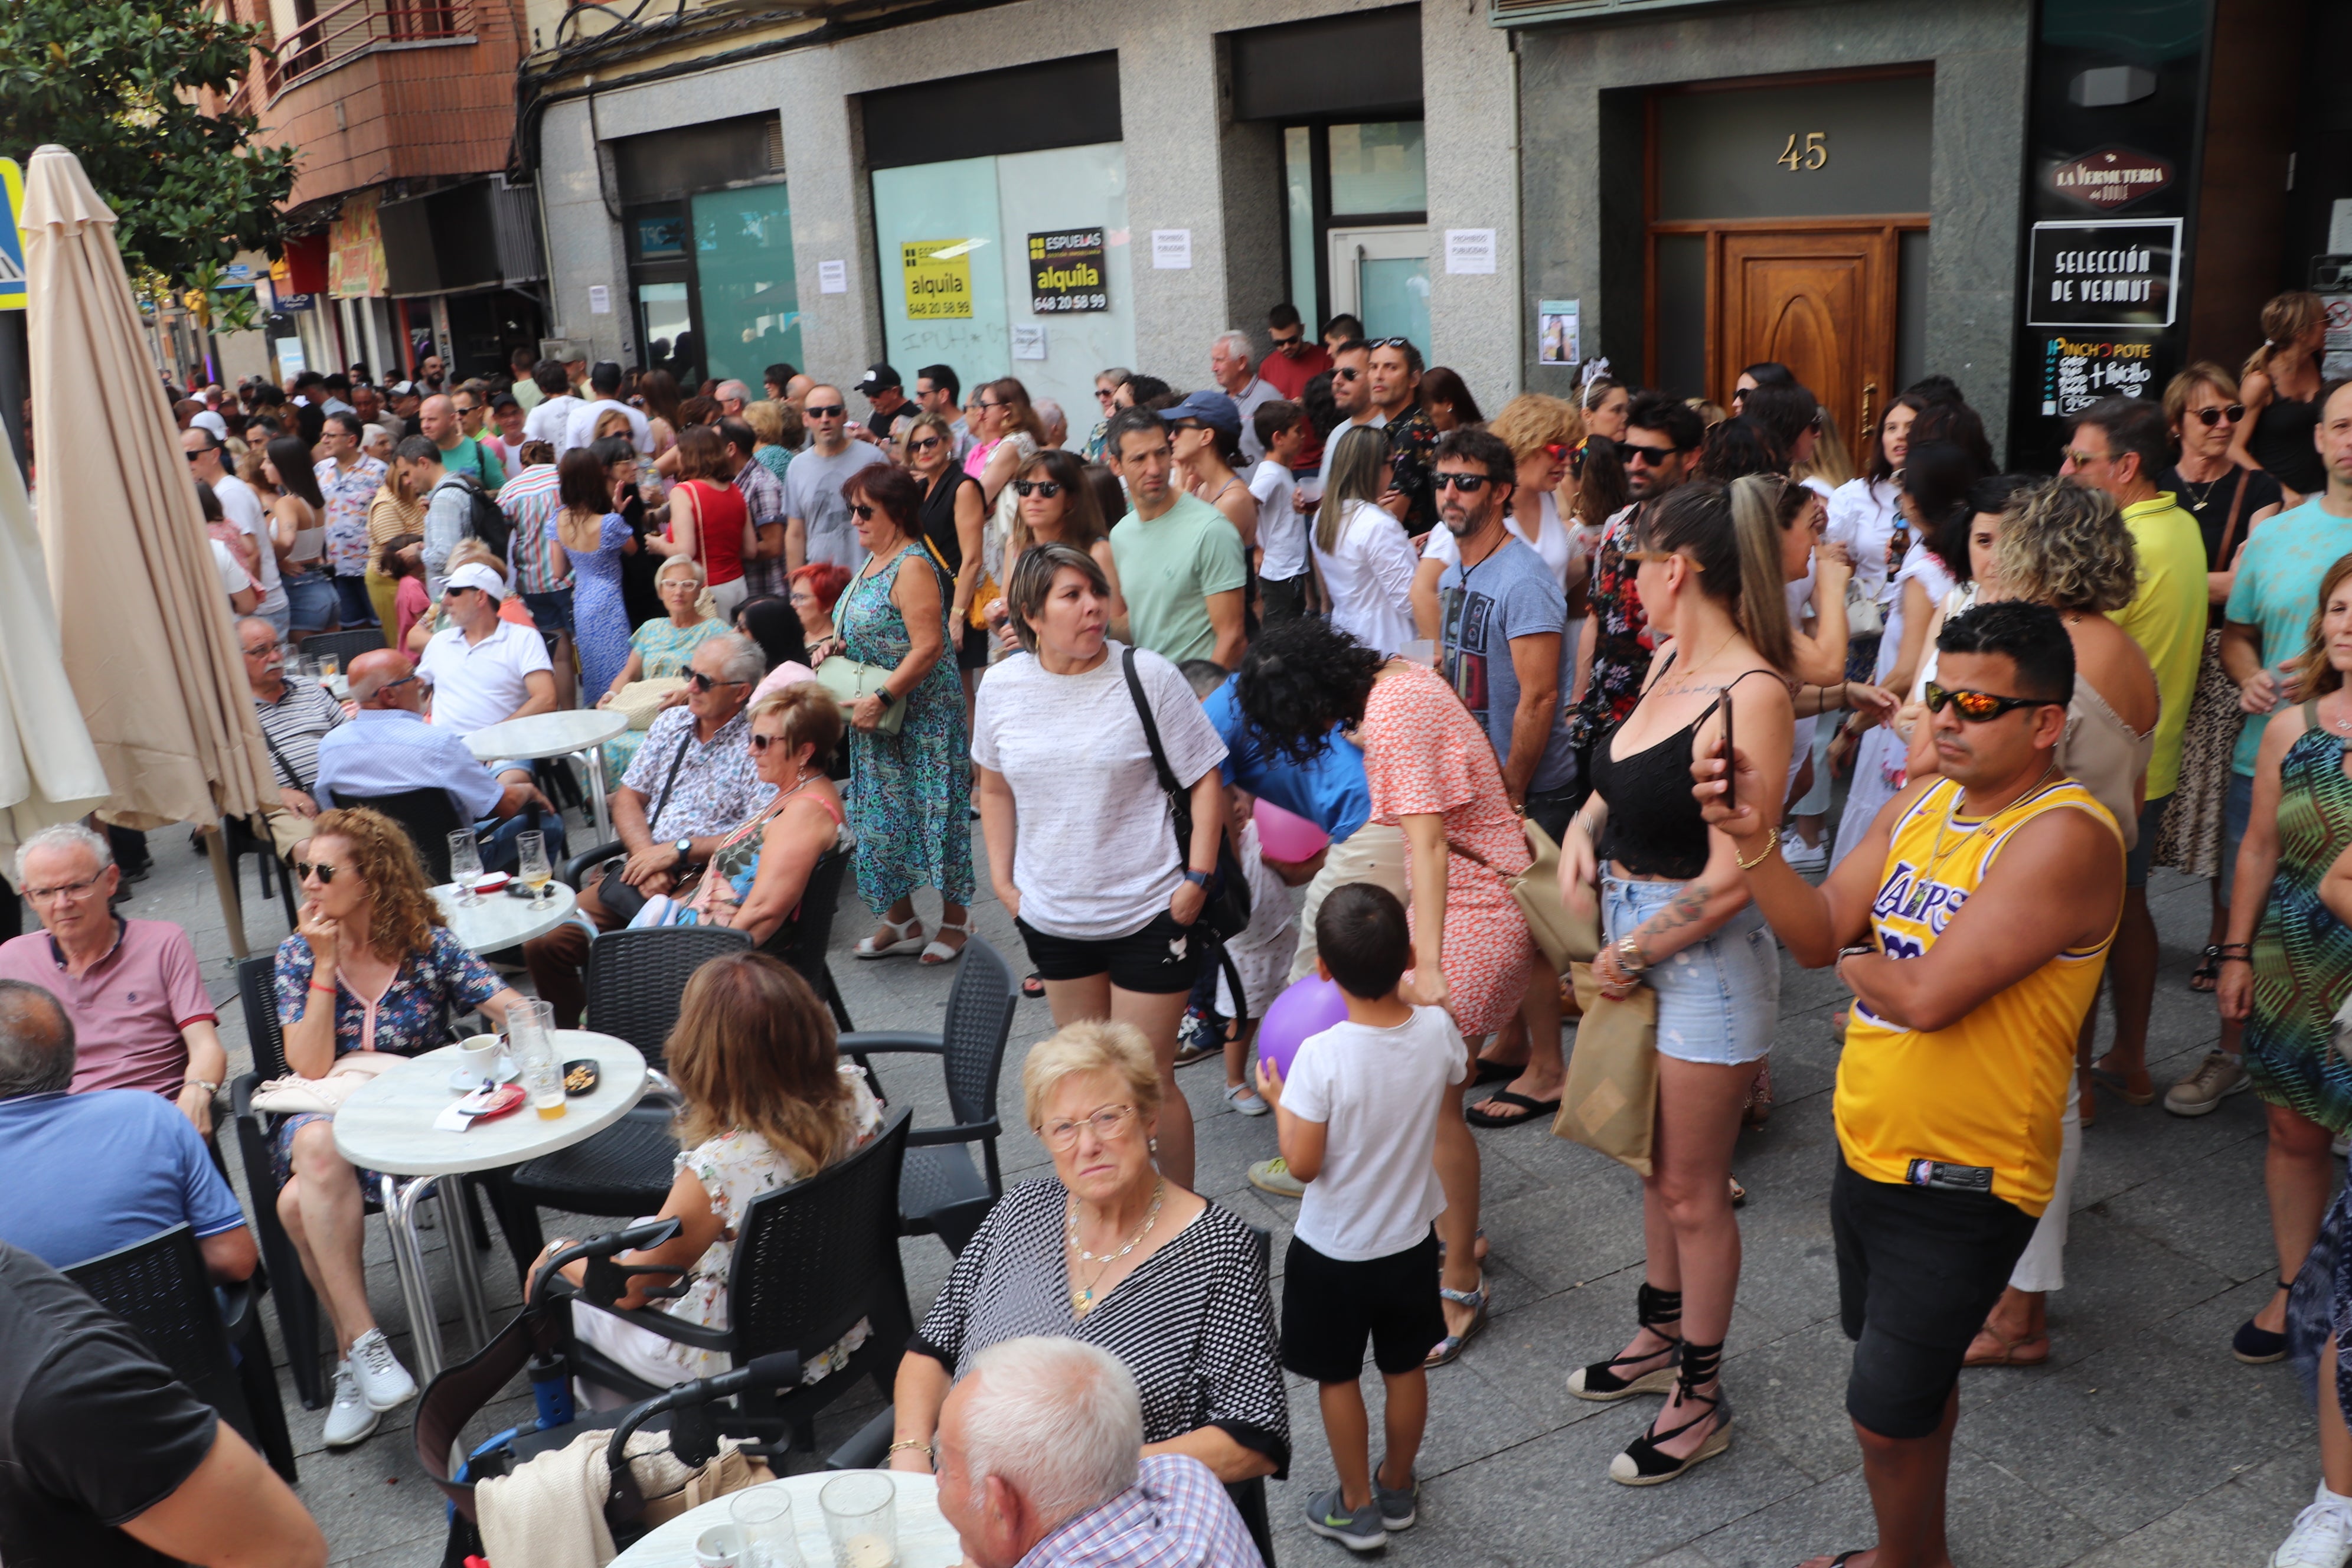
(1329, 1307)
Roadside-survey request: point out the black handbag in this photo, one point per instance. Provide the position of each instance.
(621, 900)
(1227, 912)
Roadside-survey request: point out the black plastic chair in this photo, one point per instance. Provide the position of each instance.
(942, 1192)
(427, 815)
(158, 1287)
(344, 646)
(240, 838)
(636, 978)
(810, 1261)
(801, 942)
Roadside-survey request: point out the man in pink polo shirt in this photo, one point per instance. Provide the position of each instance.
(140, 1011)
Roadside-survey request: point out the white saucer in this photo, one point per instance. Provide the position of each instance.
(463, 1082)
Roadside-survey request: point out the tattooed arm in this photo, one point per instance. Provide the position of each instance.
(1694, 913)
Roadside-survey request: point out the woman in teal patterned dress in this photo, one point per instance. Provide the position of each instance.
(909, 793)
(2286, 976)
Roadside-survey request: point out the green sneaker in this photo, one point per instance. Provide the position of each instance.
(1273, 1176)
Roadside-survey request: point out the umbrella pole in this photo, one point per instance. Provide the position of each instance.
(224, 880)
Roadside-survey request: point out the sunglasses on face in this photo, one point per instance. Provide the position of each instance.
(924, 445)
(2081, 459)
(306, 870)
(865, 510)
(1045, 488)
(1651, 457)
(1558, 452)
(1346, 375)
(702, 682)
(985, 404)
(1977, 707)
(830, 411)
(1468, 484)
(1292, 341)
(2209, 417)
(1106, 393)
(761, 743)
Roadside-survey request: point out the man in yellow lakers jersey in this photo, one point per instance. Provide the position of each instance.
(1980, 909)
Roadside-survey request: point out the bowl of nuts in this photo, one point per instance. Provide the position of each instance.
(578, 1077)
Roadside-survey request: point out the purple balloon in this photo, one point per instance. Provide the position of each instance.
(1310, 1007)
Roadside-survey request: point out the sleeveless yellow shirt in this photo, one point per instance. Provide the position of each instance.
(1975, 1107)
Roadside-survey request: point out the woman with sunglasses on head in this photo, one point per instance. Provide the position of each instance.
(1542, 434)
(1676, 918)
(1015, 433)
(2229, 500)
(910, 791)
(955, 521)
(1362, 556)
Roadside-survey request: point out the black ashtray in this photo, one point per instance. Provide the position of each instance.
(579, 1078)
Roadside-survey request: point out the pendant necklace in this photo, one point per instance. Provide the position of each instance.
(1084, 1299)
(1935, 857)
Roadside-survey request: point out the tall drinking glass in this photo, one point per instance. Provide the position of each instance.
(465, 865)
(531, 852)
(861, 1519)
(532, 1025)
(764, 1515)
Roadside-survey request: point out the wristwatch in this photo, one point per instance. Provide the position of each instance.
(1199, 878)
(684, 847)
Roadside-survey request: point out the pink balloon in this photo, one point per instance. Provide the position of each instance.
(1286, 836)
(1310, 1007)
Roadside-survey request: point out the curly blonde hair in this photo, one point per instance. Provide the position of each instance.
(1531, 420)
(401, 911)
(2066, 545)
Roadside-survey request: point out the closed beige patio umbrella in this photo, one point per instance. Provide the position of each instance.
(148, 640)
(49, 772)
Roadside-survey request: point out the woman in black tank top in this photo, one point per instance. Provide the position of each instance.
(1676, 918)
(2280, 384)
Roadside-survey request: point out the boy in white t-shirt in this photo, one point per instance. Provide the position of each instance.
(1282, 568)
(1357, 1117)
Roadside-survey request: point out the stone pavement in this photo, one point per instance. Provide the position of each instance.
(2142, 1443)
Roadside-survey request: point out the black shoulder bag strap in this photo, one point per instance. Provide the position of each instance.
(293, 779)
(1227, 909)
(619, 898)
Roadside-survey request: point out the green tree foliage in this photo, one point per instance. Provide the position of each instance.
(116, 83)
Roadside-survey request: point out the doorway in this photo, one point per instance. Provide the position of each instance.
(1820, 299)
(1381, 276)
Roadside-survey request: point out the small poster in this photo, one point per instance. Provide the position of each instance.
(1558, 340)
(1470, 250)
(2078, 372)
(2125, 272)
(2335, 351)
(1172, 249)
(355, 264)
(600, 299)
(1028, 340)
(12, 244)
(937, 275)
(2110, 177)
(833, 277)
(1065, 274)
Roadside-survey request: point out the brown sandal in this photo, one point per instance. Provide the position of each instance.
(2009, 1354)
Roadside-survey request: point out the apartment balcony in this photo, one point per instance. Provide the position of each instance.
(371, 90)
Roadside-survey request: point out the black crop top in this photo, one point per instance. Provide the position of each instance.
(1655, 828)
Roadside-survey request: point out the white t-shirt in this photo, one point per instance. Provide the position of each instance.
(1863, 516)
(1249, 400)
(1560, 549)
(243, 508)
(1097, 855)
(550, 420)
(476, 686)
(232, 579)
(1281, 527)
(580, 426)
(1375, 1091)
(1379, 421)
(1369, 578)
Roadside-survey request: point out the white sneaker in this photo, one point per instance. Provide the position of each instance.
(2322, 1538)
(1802, 857)
(349, 1418)
(383, 1382)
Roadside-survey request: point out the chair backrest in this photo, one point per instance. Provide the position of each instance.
(813, 1259)
(345, 646)
(636, 977)
(801, 942)
(257, 987)
(979, 1020)
(427, 815)
(160, 1289)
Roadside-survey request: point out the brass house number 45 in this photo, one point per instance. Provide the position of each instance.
(1812, 153)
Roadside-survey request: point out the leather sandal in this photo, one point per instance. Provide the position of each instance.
(937, 951)
(1451, 1345)
(2207, 972)
(900, 941)
(2009, 1351)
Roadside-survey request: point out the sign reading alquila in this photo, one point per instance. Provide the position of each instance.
(1066, 272)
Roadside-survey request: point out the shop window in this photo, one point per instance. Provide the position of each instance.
(665, 331)
(1356, 197)
(1017, 264)
(1378, 169)
(745, 280)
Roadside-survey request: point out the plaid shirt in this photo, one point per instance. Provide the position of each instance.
(1176, 1515)
(529, 500)
(764, 494)
(348, 496)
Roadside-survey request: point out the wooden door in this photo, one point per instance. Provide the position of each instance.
(1819, 299)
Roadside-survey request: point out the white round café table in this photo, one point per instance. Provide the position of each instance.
(498, 920)
(925, 1540)
(571, 731)
(386, 1126)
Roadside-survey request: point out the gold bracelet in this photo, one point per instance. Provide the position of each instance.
(1769, 846)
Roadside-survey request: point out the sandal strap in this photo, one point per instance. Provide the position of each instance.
(1474, 1299)
(1714, 1403)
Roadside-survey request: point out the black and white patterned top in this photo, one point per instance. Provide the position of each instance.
(1194, 1321)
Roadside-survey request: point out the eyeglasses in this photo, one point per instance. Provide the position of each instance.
(985, 404)
(702, 682)
(830, 411)
(1106, 393)
(2209, 417)
(305, 869)
(1045, 488)
(64, 889)
(1468, 484)
(1111, 1122)
(1977, 707)
(1648, 456)
(395, 685)
(262, 652)
(2081, 459)
(865, 510)
(926, 444)
(1660, 557)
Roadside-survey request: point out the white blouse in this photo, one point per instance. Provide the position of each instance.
(1369, 578)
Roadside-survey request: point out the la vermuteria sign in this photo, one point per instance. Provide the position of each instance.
(2120, 272)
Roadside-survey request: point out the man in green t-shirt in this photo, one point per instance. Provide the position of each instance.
(2119, 445)
(460, 453)
(1181, 567)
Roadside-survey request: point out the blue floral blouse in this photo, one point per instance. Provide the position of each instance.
(407, 1020)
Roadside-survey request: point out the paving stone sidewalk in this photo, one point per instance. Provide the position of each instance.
(2141, 1444)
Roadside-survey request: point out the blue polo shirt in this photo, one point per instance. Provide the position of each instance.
(83, 1174)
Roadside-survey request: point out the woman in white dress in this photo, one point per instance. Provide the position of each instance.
(1543, 434)
(1361, 553)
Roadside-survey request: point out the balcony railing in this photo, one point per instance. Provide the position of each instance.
(352, 26)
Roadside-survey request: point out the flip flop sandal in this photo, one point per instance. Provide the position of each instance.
(1530, 1111)
(1033, 985)
(1495, 1072)
(1739, 1193)
(1451, 1345)
(2007, 1356)
(2207, 972)
(2113, 1082)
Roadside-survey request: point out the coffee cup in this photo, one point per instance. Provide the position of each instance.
(720, 1546)
(478, 1056)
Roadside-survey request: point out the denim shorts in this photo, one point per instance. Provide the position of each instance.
(550, 612)
(1717, 999)
(2237, 811)
(311, 602)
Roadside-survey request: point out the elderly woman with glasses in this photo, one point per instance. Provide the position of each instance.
(1109, 1251)
(372, 967)
(660, 650)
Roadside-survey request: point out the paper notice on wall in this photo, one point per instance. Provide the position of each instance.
(1559, 338)
(600, 299)
(1028, 340)
(1172, 249)
(833, 277)
(1470, 250)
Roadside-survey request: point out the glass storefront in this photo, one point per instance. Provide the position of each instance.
(1356, 197)
(1018, 264)
(743, 275)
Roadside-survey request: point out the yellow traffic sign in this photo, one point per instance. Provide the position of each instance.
(12, 243)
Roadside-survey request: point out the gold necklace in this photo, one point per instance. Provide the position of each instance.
(1084, 1299)
(1936, 857)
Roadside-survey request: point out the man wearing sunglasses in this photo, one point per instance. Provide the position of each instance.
(483, 669)
(243, 508)
(1972, 923)
(1661, 441)
(2119, 445)
(1351, 394)
(817, 525)
(1294, 361)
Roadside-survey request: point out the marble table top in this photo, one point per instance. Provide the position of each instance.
(498, 920)
(925, 1539)
(387, 1123)
(557, 734)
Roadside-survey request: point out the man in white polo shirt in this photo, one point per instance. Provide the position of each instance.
(483, 670)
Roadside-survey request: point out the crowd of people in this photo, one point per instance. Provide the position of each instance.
(1639, 634)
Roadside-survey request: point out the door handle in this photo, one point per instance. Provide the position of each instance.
(1869, 391)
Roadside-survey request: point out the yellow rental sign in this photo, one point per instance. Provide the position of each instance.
(938, 277)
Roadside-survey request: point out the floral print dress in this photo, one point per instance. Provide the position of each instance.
(909, 793)
(1621, 639)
